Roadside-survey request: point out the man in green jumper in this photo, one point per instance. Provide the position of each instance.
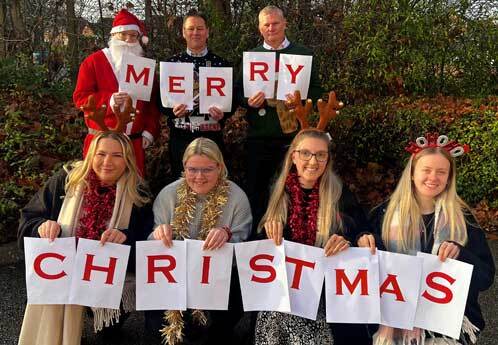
(271, 127)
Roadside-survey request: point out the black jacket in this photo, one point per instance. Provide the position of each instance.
(475, 252)
(46, 204)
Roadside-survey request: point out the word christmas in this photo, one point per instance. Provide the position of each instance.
(391, 289)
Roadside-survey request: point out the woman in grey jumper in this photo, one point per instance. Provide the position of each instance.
(202, 205)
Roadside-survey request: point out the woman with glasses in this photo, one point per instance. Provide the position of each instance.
(203, 205)
(309, 205)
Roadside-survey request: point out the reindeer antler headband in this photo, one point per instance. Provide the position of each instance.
(454, 148)
(98, 114)
(327, 111)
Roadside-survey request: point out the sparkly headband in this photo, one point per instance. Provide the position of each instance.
(454, 148)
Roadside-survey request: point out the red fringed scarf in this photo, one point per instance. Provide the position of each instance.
(302, 218)
(98, 204)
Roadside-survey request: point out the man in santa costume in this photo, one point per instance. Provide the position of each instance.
(98, 76)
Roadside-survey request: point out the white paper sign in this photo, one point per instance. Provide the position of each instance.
(176, 81)
(209, 274)
(305, 278)
(443, 295)
(399, 277)
(262, 276)
(137, 76)
(49, 266)
(99, 274)
(215, 88)
(259, 73)
(161, 275)
(352, 287)
(294, 73)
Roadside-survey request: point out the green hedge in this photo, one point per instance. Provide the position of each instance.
(377, 133)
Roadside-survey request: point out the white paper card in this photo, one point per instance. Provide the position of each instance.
(136, 76)
(259, 73)
(305, 276)
(99, 274)
(210, 271)
(49, 266)
(443, 295)
(215, 88)
(176, 81)
(399, 277)
(262, 276)
(294, 73)
(352, 287)
(161, 275)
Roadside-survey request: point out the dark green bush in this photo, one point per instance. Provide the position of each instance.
(478, 171)
(378, 132)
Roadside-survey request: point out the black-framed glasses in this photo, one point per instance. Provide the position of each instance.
(305, 155)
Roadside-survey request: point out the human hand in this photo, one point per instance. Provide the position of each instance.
(112, 236)
(367, 241)
(274, 231)
(257, 100)
(180, 110)
(146, 142)
(448, 250)
(119, 98)
(216, 113)
(49, 229)
(336, 244)
(164, 232)
(216, 238)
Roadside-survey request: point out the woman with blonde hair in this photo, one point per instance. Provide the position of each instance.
(202, 205)
(426, 214)
(309, 205)
(100, 198)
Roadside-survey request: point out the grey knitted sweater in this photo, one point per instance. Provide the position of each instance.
(236, 213)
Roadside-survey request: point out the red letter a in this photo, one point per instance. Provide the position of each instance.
(391, 280)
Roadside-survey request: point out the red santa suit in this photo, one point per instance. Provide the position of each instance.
(98, 77)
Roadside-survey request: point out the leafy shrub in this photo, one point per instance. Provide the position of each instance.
(478, 171)
(370, 139)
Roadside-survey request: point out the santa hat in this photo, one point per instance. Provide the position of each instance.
(125, 21)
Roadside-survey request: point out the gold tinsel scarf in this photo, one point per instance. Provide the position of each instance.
(216, 199)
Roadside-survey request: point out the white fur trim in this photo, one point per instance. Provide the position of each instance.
(111, 102)
(148, 135)
(107, 53)
(121, 28)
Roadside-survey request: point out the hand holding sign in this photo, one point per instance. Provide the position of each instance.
(49, 229)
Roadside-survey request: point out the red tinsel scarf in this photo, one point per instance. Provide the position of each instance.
(98, 204)
(302, 219)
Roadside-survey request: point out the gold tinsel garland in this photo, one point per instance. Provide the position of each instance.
(216, 199)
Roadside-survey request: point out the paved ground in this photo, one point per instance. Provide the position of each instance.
(13, 295)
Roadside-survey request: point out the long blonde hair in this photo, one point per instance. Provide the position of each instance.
(404, 201)
(330, 190)
(134, 184)
(206, 147)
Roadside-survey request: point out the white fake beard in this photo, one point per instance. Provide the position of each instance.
(118, 48)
